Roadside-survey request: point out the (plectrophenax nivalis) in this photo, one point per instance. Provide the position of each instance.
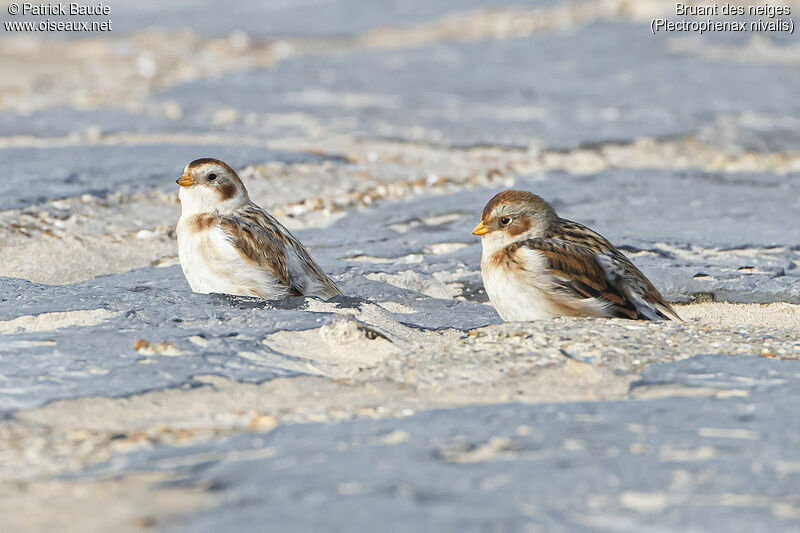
(228, 244)
(537, 265)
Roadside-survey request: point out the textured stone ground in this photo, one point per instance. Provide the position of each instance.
(377, 131)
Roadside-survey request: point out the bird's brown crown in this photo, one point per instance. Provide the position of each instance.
(197, 163)
(522, 199)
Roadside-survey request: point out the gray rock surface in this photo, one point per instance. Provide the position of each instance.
(595, 84)
(653, 465)
(377, 132)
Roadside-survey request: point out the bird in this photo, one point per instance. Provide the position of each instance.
(228, 244)
(536, 265)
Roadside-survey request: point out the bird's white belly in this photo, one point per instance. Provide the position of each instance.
(211, 264)
(513, 299)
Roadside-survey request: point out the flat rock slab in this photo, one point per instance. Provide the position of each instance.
(586, 85)
(601, 83)
(100, 359)
(88, 347)
(717, 464)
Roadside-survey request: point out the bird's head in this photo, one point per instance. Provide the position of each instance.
(210, 185)
(514, 215)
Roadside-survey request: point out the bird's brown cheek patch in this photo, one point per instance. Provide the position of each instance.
(519, 226)
(227, 191)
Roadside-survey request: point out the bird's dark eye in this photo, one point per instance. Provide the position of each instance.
(505, 221)
(212, 177)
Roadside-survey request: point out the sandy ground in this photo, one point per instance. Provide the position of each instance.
(76, 239)
(367, 362)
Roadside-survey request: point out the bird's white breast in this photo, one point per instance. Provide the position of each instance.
(211, 263)
(517, 296)
(525, 289)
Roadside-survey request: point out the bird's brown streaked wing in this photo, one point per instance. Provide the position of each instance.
(618, 268)
(259, 246)
(575, 233)
(270, 236)
(578, 271)
(624, 274)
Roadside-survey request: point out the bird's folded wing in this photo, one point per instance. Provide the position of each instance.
(607, 275)
(261, 247)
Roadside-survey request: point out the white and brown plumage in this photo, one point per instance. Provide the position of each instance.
(228, 244)
(537, 265)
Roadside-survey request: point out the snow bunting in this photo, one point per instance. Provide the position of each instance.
(537, 265)
(228, 244)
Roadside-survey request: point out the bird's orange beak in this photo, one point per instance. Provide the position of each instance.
(480, 229)
(185, 181)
